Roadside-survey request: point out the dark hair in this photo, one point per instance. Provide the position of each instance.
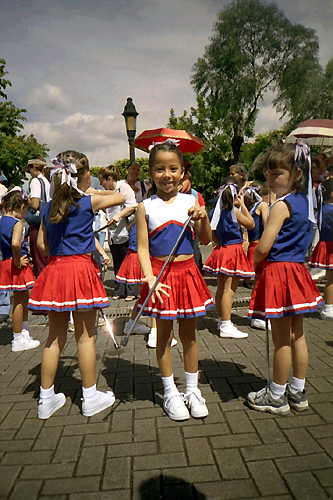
(249, 200)
(283, 156)
(167, 148)
(240, 169)
(227, 200)
(64, 195)
(327, 191)
(109, 171)
(13, 201)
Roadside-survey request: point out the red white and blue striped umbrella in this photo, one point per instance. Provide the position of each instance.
(317, 132)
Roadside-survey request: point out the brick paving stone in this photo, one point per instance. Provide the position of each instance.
(48, 438)
(327, 444)
(48, 471)
(277, 450)
(122, 421)
(27, 457)
(202, 473)
(26, 490)
(206, 430)
(8, 475)
(198, 451)
(239, 422)
(132, 449)
(117, 474)
(325, 410)
(144, 430)
(267, 478)
(321, 431)
(269, 431)
(90, 428)
(160, 461)
(68, 449)
(302, 441)
(304, 486)
(231, 464)
(91, 461)
(16, 445)
(235, 441)
(170, 440)
(228, 490)
(100, 495)
(325, 477)
(303, 463)
(71, 485)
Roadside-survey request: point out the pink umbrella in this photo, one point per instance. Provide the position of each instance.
(317, 132)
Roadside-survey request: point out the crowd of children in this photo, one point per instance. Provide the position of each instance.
(277, 239)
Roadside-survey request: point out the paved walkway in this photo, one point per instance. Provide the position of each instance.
(136, 452)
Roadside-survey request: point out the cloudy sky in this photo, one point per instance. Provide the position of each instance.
(73, 63)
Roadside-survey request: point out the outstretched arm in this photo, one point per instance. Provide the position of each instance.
(201, 223)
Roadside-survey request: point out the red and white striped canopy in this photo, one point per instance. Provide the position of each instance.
(317, 132)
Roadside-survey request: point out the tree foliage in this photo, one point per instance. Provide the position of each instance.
(254, 49)
(15, 149)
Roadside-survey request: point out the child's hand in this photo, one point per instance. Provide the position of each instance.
(106, 260)
(158, 290)
(197, 213)
(24, 261)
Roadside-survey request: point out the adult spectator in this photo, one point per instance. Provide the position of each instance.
(4, 296)
(39, 189)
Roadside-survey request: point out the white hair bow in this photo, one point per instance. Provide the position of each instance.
(174, 142)
(66, 170)
(218, 207)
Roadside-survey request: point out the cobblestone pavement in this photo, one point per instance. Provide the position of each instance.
(135, 451)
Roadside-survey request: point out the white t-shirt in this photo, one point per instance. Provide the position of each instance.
(119, 234)
(36, 190)
(3, 189)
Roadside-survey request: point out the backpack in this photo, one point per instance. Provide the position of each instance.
(34, 217)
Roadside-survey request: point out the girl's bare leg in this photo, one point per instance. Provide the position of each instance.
(226, 288)
(328, 291)
(20, 309)
(188, 338)
(163, 348)
(55, 343)
(84, 323)
(281, 332)
(299, 349)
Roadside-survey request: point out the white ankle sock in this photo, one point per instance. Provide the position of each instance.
(328, 308)
(191, 381)
(297, 384)
(225, 325)
(169, 385)
(46, 393)
(17, 335)
(89, 392)
(277, 390)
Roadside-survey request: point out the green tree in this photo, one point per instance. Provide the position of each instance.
(254, 48)
(15, 149)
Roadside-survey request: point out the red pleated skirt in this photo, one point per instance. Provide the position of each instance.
(189, 295)
(322, 255)
(69, 283)
(14, 278)
(283, 289)
(250, 253)
(130, 269)
(230, 260)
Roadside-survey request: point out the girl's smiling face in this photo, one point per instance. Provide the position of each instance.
(166, 173)
(281, 181)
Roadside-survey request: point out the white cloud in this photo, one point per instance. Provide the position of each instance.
(49, 97)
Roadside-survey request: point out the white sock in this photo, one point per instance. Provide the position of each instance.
(169, 385)
(277, 390)
(130, 322)
(46, 393)
(297, 384)
(25, 325)
(328, 307)
(89, 392)
(225, 325)
(17, 335)
(153, 331)
(191, 381)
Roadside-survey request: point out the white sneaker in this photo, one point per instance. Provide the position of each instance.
(175, 408)
(24, 342)
(46, 407)
(260, 324)
(102, 400)
(327, 312)
(219, 322)
(152, 339)
(196, 403)
(139, 328)
(231, 332)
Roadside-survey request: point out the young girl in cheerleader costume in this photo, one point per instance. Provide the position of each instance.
(181, 293)
(228, 260)
(285, 290)
(71, 282)
(259, 211)
(322, 256)
(15, 271)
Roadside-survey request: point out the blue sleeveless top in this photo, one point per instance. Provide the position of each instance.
(295, 235)
(132, 243)
(7, 223)
(74, 235)
(255, 233)
(228, 231)
(326, 230)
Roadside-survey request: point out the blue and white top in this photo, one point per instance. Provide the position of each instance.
(326, 230)
(255, 233)
(228, 231)
(165, 222)
(7, 223)
(295, 236)
(74, 235)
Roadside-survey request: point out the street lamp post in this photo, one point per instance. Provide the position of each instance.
(130, 114)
